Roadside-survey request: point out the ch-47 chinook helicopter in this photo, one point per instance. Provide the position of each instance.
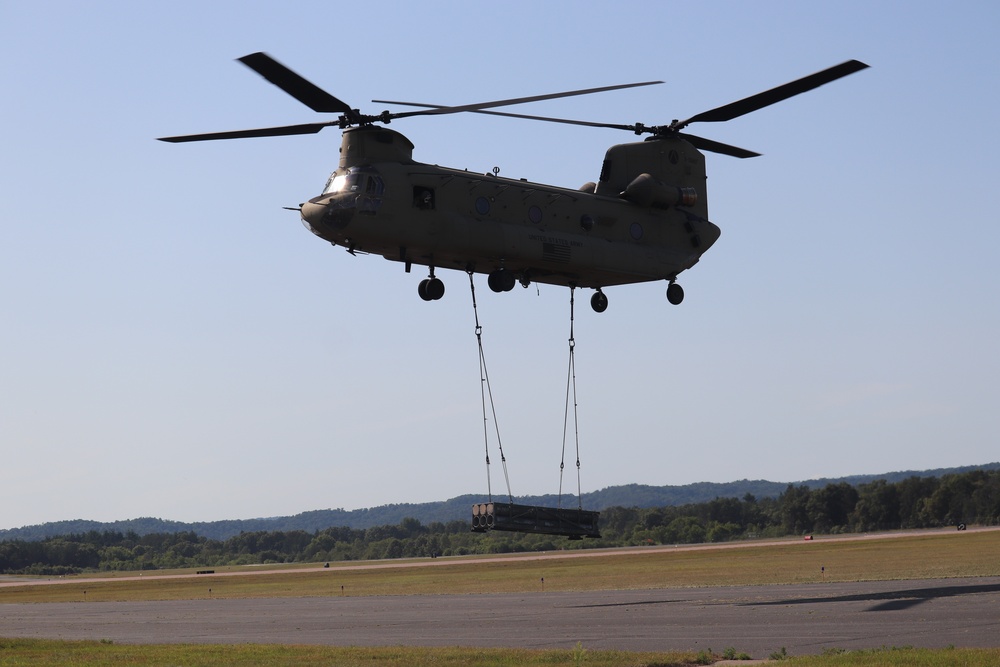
(646, 219)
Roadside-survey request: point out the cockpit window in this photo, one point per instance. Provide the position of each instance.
(341, 182)
(356, 179)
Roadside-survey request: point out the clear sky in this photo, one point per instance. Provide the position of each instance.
(174, 344)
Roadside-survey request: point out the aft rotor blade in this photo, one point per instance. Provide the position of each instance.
(304, 91)
(284, 130)
(435, 110)
(698, 142)
(701, 143)
(769, 97)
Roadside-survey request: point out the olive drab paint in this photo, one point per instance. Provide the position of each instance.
(645, 219)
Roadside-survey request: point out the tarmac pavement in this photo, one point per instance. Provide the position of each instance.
(803, 619)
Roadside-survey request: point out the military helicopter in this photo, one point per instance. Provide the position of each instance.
(645, 219)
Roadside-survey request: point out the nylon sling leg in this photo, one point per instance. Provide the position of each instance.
(486, 392)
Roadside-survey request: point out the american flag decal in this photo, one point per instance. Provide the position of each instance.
(555, 252)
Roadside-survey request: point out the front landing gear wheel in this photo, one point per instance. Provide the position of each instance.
(599, 302)
(675, 293)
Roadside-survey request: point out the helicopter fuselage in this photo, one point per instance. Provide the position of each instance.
(646, 220)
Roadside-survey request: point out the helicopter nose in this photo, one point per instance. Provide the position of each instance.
(313, 214)
(328, 215)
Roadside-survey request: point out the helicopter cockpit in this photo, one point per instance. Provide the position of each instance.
(355, 190)
(364, 182)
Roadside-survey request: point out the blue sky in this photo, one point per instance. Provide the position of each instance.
(174, 344)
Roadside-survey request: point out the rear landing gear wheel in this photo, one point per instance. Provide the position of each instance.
(501, 280)
(675, 293)
(435, 288)
(430, 289)
(599, 302)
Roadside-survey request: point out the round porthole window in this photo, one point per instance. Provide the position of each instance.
(635, 230)
(482, 205)
(535, 214)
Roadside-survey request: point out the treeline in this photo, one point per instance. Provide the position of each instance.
(916, 502)
(629, 495)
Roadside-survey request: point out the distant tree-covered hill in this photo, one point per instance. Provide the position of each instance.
(459, 508)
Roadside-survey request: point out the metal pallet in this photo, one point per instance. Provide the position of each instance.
(572, 523)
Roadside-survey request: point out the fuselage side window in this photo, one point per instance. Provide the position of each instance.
(423, 198)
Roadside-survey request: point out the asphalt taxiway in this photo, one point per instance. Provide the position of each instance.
(803, 619)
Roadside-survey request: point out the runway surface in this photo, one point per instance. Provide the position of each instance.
(804, 619)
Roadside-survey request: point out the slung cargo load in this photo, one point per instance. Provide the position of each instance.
(572, 523)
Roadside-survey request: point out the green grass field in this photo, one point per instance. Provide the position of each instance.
(52, 653)
(930, 555)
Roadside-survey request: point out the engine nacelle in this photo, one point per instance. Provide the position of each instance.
(645, 190)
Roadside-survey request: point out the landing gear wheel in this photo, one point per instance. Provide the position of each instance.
(430, 289)
(435, 288)
(675, 293)
(501, 280)
(599, 302)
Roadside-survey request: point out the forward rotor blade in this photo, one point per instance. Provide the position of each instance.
(698, 142)
(547, 119)
(433, 110)
(304, 91)
(769, 97)
(284, 130)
